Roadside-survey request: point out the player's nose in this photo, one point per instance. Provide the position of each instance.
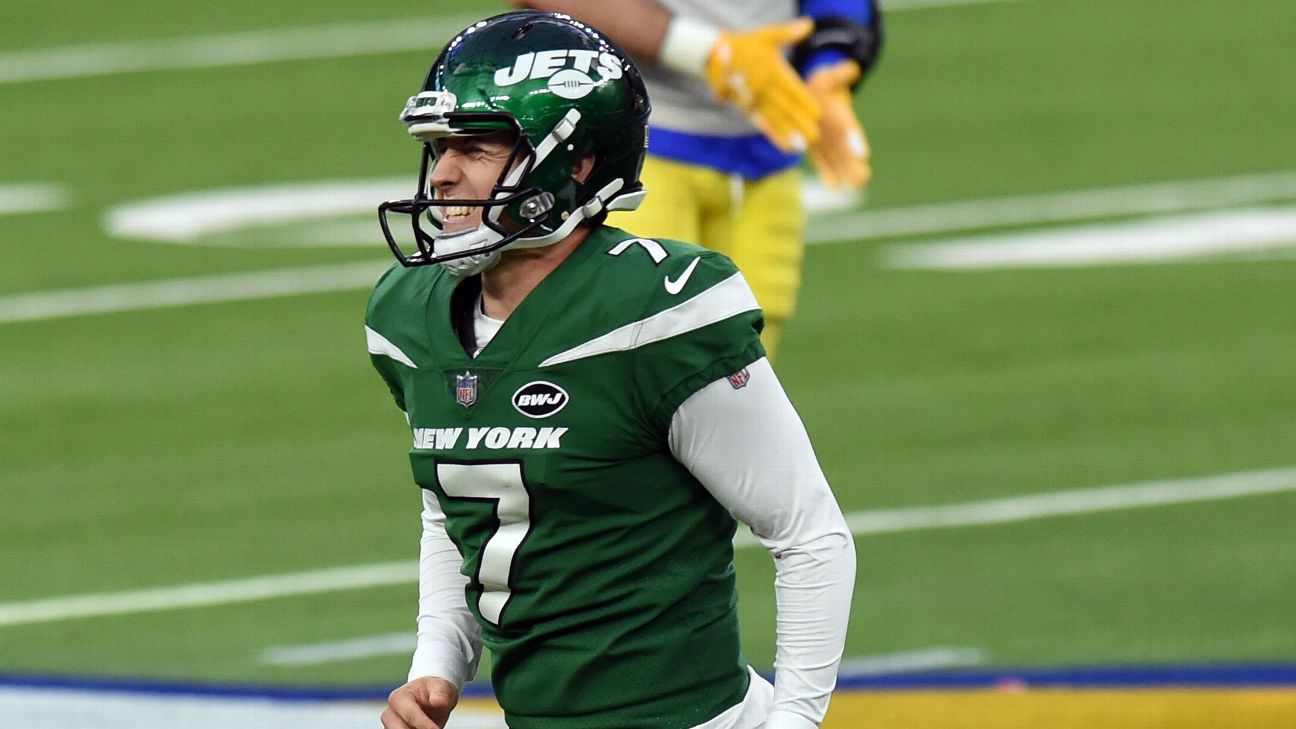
(445, 174)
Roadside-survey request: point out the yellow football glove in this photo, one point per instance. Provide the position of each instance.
(841, 154)
(748, 69)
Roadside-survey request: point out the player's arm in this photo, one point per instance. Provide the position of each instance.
(748, 447)
(746, 68)
(449, 640)
(834, 59)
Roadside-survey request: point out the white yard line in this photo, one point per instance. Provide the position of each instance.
(31, 198)
(188, 217)
(46, 305)
(993, 511)
(207, 594)
(1148, 240)
(268, 46)
(926, 659)
(1057, 207)
(1078, 501)
(313, 654)
(231, 49)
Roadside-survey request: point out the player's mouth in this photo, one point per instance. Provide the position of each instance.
(459, 217)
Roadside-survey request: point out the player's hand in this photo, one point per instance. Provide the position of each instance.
(748, 69)
(841, 153)
(424, 703)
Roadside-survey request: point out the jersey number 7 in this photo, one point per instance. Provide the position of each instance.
(502, 484)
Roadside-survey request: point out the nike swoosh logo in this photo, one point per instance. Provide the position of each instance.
(676, 286)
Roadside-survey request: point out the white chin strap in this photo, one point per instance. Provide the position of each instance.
(468, 240)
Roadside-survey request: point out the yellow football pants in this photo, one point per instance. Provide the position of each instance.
(759, 224)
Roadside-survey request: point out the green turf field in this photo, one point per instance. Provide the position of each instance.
(217, 441)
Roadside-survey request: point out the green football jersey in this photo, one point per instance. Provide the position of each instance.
(600, 570)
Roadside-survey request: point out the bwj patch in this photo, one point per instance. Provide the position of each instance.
(466, 389)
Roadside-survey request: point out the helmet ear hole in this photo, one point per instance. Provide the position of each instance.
(583, 167)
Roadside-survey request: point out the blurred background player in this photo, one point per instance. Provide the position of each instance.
(741, 89)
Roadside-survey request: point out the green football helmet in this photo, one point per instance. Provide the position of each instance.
(566, 92)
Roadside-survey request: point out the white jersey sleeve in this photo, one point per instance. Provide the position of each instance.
(748, 447)
(449, 640)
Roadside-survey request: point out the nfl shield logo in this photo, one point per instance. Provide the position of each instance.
(739, 379)
(466, 389)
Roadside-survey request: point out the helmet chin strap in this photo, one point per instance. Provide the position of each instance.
(468, 240)
(593, 207)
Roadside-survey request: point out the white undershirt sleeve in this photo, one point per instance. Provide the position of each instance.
(687, 45)
(748, 447)
(449, 640)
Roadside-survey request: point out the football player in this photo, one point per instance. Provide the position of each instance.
(591, 414)
(741, 89)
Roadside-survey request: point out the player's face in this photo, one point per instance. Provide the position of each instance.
(467, 168)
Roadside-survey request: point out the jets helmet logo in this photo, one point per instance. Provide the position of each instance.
(568, 71)
(539, 399)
